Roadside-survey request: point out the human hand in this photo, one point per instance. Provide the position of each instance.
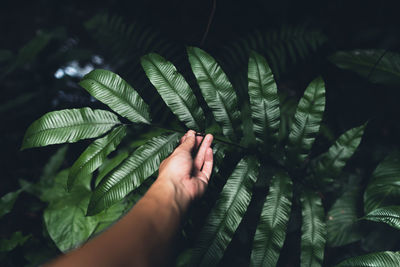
(187, 173)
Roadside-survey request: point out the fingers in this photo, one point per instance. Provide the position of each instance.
(188, 142)
(208, 163)
(201, 154)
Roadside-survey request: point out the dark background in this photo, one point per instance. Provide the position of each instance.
(351, 99)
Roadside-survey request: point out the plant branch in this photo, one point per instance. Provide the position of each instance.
(209, 22)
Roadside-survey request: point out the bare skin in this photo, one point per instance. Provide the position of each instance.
(145, 235)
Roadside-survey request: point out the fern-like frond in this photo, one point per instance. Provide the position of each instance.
(95, 154)
(329, 165)
(217, 91)
(271, 230)
(378, 65)
(227, 214)
(313, 230)
(378, 259)
(384, 187)
(264, 101)
(109, 165)
(113, 91)
(131, 172)
(389, 215)
(307, 121)
(68, 126)
(174, 90)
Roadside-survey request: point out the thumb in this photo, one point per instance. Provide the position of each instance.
(189, 142)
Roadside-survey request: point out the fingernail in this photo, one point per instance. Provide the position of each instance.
(190, 133)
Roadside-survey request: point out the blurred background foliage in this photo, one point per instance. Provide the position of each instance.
(47, 46)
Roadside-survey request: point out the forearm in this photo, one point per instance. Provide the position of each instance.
(144, 237)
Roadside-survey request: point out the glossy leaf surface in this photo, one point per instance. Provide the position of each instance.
(389, 215)
(378, 259)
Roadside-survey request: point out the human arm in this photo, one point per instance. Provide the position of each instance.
(145, 236)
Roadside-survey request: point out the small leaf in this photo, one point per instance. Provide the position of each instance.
(95, 154)
(378, 65)
(329, 165)
(313, 230)
(263, 99)
(378, 259)
(107, 167)
(226, 215)
(16, 239)
(116, 93)
(342, 219)
(217, 90)
(68, 126)
(131, 172)
(7, 202)
(271, 230)
(174, 90)
(307, 121)
(384, 186)
(389, 215)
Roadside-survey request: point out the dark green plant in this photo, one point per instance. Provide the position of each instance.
(294, 176)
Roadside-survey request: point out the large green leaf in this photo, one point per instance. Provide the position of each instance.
(330, 164)
(263, 99)
(7, 202)
(131, 172)
(174, 90)
(95, 154)
(217, 90)
(384, 186)
(226, 215)
(116, 93)
(378, 259)
(313, 230)
(342, 219)
(307, 121)
(271, 230)
(379, 66)
(389, 215)
(68, 126)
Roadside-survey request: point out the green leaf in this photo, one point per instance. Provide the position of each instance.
(174, 90)
(217, 90)
(389, 215)
(109, 216)
(384, 186)
(271, 230)
(109, 165)
(378, 259)
(116, 93)
(226, 215)
(307, 121)
(16, 239)
(329, 165)
(342, 220)
(131, 172)
(378, 65)
(68, 125)
(95, 154)
(7, 202)
(313, 230)
(263, 99)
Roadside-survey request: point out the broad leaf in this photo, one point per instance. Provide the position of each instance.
(109, 165)
(379, 66)
(116, 93)
(271, 230)
(174, 90)
(68, 126)
(226, 215)
(16, 239)
(330, 164)
(7, 202)
(95, 154)
(342, 219)
(313, 230)
(384, 186)
(378, 259)
(263, 99)
(131, 172)
(307, 121)
(389, 215)
(109, 216)
(217, 91)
